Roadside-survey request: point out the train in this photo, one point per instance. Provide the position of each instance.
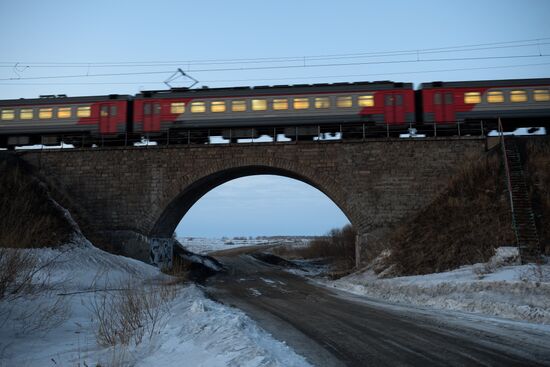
(293, 110)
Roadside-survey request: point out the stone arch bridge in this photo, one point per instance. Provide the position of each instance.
(123, 196)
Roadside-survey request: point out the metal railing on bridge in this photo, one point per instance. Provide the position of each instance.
(273, 135)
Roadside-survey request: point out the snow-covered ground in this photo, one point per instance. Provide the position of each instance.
(57, 325)
(203, 246)
(497, 288)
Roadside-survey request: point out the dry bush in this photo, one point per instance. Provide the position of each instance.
(23, 278)
(462, 226)
(538, 172)
(18, 273)
(29, 218)
(337, 247)
(131, 312)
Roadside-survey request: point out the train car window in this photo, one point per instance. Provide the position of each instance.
(104, 111)
(448, 98)
(322, 102)
(8, 114)
(45, 113)
(344, 101)
(26, 114)
(495, 96)
(64, 112)
(146, 108)
(259, 104)
(198, 107)
(218, 106)
(280, 104)
(518, 96)
(437, 98)
(84, 111)
(114, 110)
(301, 103)
(156, 109)
(177, 107)
(398, 99)
(238, 106)
(472, 97)
(541, 95)
(389, 100)
(366, 101)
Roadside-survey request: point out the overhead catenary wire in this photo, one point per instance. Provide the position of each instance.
(296, 77)
(279, 67)
(461, 48)
(307, 59)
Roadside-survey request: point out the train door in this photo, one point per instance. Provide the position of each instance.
(444, 106)
(151, 117)
(107, 118)
(394, 109)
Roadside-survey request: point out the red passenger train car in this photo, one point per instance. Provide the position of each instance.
(284, 105)
(47, 119)
(488, 100)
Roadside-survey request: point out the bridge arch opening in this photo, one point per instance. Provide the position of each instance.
(180, 205)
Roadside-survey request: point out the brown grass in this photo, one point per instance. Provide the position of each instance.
(337, 248)
(29, 218)
(132, 312)
(462, 226)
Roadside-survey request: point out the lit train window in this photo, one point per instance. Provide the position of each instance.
(177, 107)
(322, 102)
(84, 111)
(518, 96)
(64, 112)
(26, 114)
(301, 103)
(45, 113)
(541, 95)
(259, 104)
(217, 106)
(8, 114)
(472, 97)
(366, 101)
(238, 106)
(280, 104)
(198, 107)
(104, 111)
(344, 101)
(495, 97)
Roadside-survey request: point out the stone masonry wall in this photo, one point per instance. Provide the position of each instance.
(375, 183)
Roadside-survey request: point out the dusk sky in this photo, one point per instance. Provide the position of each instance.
(283, 42)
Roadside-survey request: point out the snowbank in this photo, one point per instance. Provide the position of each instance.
(519, 292)
(57, 326)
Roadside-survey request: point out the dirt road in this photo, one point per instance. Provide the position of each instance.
(332, 328)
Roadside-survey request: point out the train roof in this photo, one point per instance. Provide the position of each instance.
(487, 83)
(62, 99)
(275, 89)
